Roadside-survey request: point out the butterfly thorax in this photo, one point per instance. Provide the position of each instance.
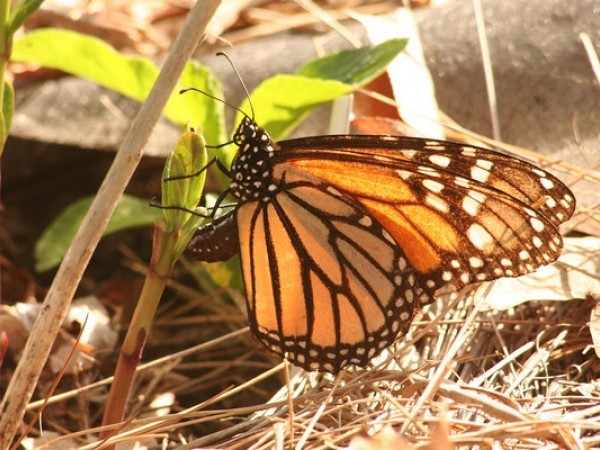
(251, 169)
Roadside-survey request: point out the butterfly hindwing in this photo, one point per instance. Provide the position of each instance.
(325, 283)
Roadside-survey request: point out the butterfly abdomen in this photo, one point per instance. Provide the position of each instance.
(216, 241)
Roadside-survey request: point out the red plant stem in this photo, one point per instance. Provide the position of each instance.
(130, 356)
(116, 405)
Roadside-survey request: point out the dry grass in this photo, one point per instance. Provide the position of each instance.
(517, 379)
(522, 378)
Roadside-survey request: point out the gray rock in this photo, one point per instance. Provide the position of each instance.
(548, 97)
(76, 112)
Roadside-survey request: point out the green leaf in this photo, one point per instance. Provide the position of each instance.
(8, 108)
(318, 82)
(52, 245)
(87, 57)
(6, 114)
(186, 163)
(21, 11)
(200, 111)
(357, 66)
(278, 113)
(132, 76)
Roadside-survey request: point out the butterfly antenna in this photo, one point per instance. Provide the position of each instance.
(241, 82)
(183, 91)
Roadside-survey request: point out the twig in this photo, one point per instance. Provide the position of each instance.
(58, 299)
(487, 69)
(588, 45)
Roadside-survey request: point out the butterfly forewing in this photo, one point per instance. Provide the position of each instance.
(515, 177)
(452, 229)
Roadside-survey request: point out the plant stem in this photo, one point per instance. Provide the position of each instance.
(159, 271)
(5, 43)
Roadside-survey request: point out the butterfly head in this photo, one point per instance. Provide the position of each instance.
(246, 131)
(251, 169)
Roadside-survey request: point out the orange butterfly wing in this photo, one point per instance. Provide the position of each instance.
(461, 214)
(325, 284)
(341, 236)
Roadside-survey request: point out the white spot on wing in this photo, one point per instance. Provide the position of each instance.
(479, 236)
(437, 203)
(470, 206)
(475, 262)
(479, 174)
(440, 160)
(538, 172)
(365, 221)
(546, 183)
(462, 182)
(404, 174)
(433, 186)
(428, 171)
(484, 164)
(537, 224)
(469, 151)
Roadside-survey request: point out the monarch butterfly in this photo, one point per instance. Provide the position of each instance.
(342, 238)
